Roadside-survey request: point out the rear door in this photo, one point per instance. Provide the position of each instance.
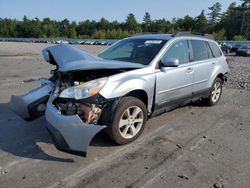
(174, 84)
(203, 64)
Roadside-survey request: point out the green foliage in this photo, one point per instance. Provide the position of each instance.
(234, 23)
(239, 37)
(215, 13)
(111, 34)
(220, 35)
(132, 24)
(146, 22)
(160, 26)
(147, 19)
(72, 33)
(201, 23)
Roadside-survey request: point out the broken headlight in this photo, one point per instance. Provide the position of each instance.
(85, 90)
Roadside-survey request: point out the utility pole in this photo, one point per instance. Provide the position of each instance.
(242, 23)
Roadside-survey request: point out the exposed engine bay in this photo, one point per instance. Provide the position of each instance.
(89, 109)
(74, 78)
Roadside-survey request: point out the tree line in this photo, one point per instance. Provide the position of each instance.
(233, 24)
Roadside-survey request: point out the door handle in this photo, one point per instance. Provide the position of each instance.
(213, 64)
(189, 70)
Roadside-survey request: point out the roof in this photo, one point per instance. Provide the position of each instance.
(169, 36)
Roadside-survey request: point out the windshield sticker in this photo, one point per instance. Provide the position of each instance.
(153, 42)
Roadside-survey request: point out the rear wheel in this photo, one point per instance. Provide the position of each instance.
(215, 93)
(127, 121)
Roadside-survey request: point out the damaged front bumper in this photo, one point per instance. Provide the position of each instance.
(69, 132)
(26, 105)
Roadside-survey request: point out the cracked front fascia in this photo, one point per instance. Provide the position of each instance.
(75, 132)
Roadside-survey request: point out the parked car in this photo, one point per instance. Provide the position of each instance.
(236, 47)
(243, 51)
(134, 79)
(226, 48)
(62, 42)
(74, 42)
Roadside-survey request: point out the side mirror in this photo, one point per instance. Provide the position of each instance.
(170, 62)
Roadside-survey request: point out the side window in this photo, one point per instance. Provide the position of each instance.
(199, 50)
(215, 49)
(210, 54)
(178, 50)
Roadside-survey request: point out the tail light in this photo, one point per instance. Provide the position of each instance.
(227, 61)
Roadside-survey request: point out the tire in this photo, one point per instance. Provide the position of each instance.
(215, 93)
(123, 126)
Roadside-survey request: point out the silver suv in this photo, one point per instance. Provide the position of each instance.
(136, 78)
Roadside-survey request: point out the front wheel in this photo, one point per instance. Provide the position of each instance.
(215, 93)
(127, 121)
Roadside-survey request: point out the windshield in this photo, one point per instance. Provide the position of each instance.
(140, 51)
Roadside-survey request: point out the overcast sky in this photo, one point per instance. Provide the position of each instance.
(79, 10)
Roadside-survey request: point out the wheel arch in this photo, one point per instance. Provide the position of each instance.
(221, 76)
(217, 73)
(140, 94)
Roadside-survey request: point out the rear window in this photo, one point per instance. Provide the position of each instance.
(200, 51)
(215, 49)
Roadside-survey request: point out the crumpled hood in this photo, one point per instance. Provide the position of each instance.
(69, 58)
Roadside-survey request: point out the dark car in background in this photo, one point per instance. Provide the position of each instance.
(226, 48)
(235, 47)
(243, 51)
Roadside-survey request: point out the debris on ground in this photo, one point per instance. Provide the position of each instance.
(3, 171)
(217, 185)
(29, 80)
(179, 146)
(183, 177)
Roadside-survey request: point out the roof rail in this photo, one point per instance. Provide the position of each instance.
(187, 33)
(146, 33)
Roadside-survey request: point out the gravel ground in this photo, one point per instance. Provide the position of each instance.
(239, 76)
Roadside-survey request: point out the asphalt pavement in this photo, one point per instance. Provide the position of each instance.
(193, 146)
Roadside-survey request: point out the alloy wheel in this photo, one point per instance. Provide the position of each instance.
(131, 122)
(216, 92)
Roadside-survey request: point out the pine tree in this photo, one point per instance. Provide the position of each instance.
(215, 14)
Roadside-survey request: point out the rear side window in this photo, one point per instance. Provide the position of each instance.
(215, 49)
(200, 51)
(178, 50)
(210, 54)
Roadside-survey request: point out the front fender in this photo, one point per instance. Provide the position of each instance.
(121, 84)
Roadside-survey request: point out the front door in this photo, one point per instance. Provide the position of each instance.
(175, 84)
